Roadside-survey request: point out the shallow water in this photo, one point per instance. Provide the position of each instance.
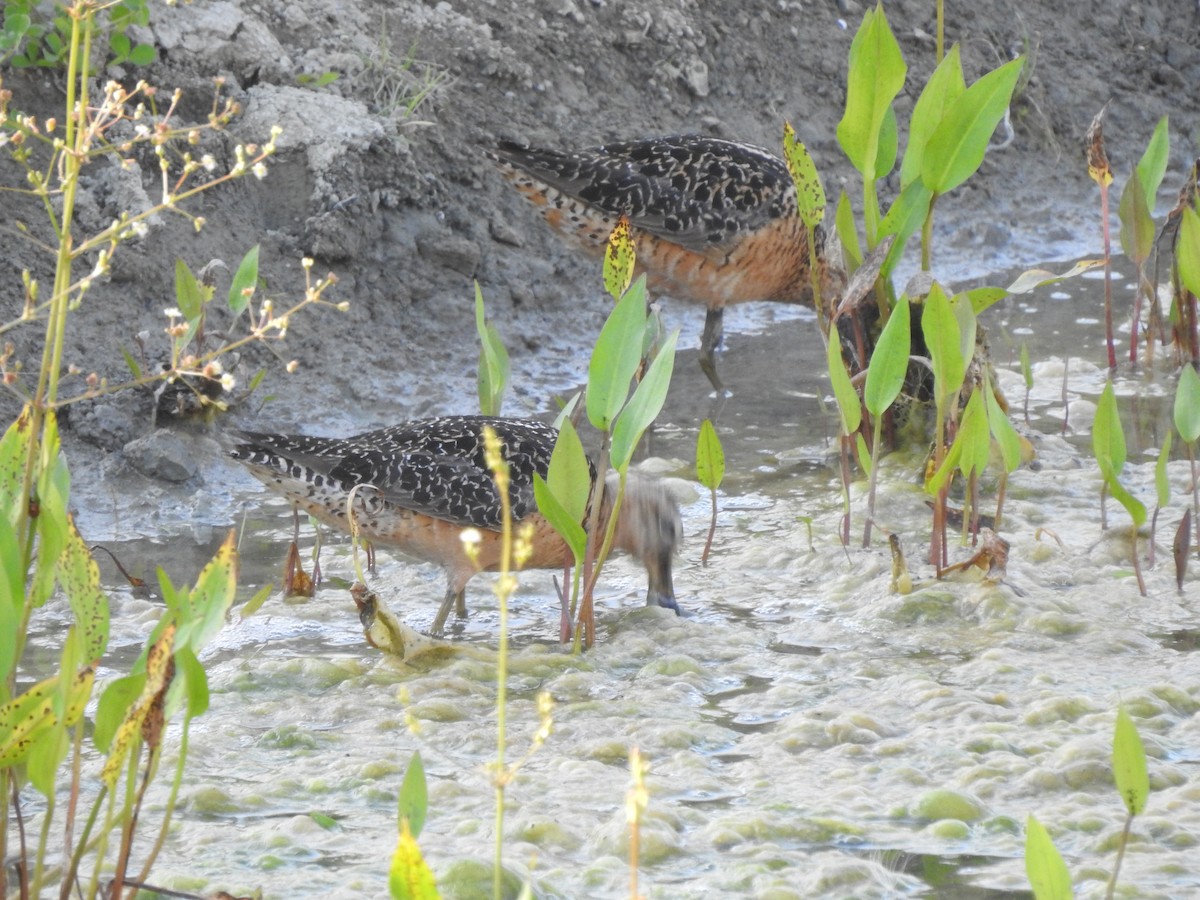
(809, 732)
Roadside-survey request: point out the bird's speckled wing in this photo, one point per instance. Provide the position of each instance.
(432, 466)
(702, 193)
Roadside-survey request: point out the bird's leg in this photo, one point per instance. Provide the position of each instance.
(453, 597)
(709, 341)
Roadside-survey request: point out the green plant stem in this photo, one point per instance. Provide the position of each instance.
(72, 871)
(591, 565)
(1121, 845)
(43, 839)
(927, 237)
(171, 800)
(941, 30)
(876, 441)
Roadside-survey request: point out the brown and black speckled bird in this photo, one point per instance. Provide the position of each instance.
(430, 483)
(714, 221)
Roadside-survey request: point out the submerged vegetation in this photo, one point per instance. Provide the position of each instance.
(900, 364)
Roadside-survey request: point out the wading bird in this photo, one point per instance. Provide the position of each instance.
(420, 485)
(714, 221)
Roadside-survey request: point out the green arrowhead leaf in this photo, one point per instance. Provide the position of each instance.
(957, 146)
(889, 361)
(1129, 764)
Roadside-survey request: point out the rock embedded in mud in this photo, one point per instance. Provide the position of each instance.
(450, 251)
(163, 455)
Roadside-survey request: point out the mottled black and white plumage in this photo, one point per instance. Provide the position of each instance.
(435, 467)
(417, 486)
(714, 221)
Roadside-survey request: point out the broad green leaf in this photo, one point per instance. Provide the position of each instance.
(1047, 873)
(847, 233)
(46, 753)
(810, 194)
(964, 312)
(129, 732)
(889, 361)
(254, 604)
(1187, 250)
(889, 145)
(1129, 764)
(134, 369)
(864, 455)
(52, 521)
(974, 435)
(876, 75)
(1162, 485)
(570, 473)
(957, 146)
(414, 800)
(904, 218)
(616, 356)
(645, 404)
(945, 86)
(1187, 404)
(942, 339)
(493, 372)
(983, 297)
(1153, 165)
(189, 295)
(935, 482)
(143, 54)
(80, 579)
(1002, 429)
(245, 282)
(620, 256)
(849, 404)
(203, 614)
(328, 822)
(1108, 444)
(1137, 225)
(1036, 278)
(12, 600)
(120, 45)
(194, 680)
(570, 529)
(24, 718)
(14, 447)
(1108, 437)
(114, 705)
(410, 877)
(710, 457)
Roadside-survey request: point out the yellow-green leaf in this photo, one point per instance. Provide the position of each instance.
(410, 877)
(80, 579)
(1047, 873)
(810, 193)
(158, 661)
(849, 405)
(957, 146)
(889, 361)
(944, 86)
(1129, 764)
(620, 256)
(710, 456)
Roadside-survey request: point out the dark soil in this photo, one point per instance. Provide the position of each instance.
(406, 211)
